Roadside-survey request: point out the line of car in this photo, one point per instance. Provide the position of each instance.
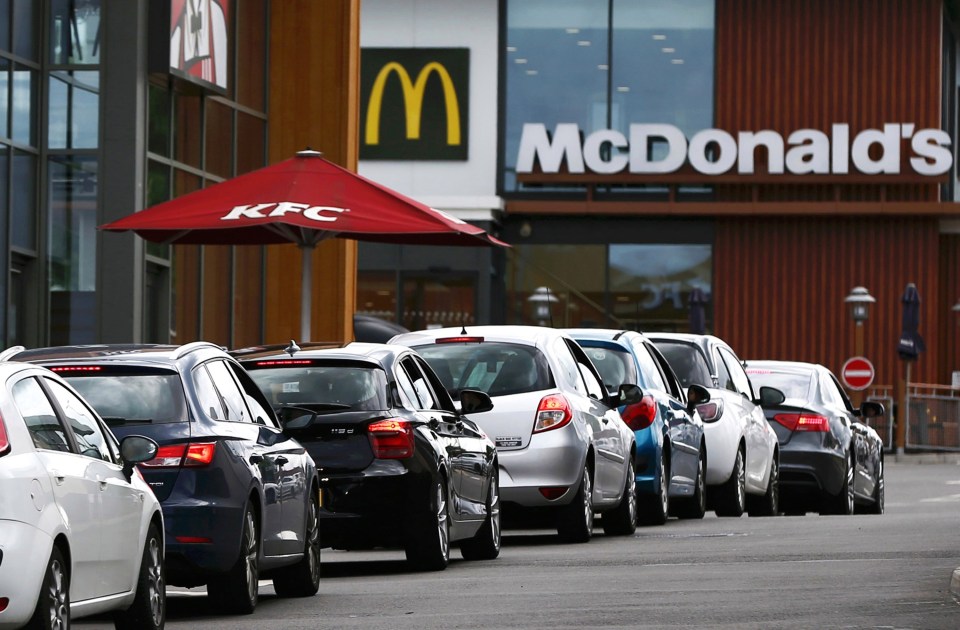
(125, 468)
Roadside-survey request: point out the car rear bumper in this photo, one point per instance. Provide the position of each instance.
(808, 468)
(552, 459)
(25, 551)
(647, 462)
(202, 539)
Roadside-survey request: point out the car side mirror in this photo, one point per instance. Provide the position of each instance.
(474, 401)
(770, 397)
(135, 449)
(871, 409)
(628, 394)
(696, 395)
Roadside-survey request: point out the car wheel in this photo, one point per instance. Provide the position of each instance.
(53, 606)
(430, 548)
(769, 503)
(149, 608)
(696, 506)
(877, 506)
(303, 578)
(237, 591)
(843, 502)
(576, 518)
(653, 509)
(732, 499)
(486, 544)
(622, 520)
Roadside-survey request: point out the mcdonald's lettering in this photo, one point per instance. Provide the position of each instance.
(415, 103)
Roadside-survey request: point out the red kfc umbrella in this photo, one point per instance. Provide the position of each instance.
(303, 200)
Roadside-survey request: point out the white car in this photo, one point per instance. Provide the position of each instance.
(743, 459)
(81, 532)
(560, 440)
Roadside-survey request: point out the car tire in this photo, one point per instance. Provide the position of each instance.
(149, 608)
(653, 509)
(486, 544)
(769, 503)
(303, 578)
(53, 604)
(877, 507)
(732, 500)
(576, 518)
(696, 506)
(237, 591)
(429, 549)
(622, 520)
(843, 502)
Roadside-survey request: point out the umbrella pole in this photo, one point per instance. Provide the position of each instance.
(306, 285)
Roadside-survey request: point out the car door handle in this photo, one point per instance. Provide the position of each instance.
(57, 477)
(281, 460)
(103, 484)
(256, 459)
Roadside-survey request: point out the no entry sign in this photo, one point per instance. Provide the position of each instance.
(857, 373)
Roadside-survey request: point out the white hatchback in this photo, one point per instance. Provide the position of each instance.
(561, 444)
(81, 532)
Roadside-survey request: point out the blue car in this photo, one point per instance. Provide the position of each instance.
(668, 429)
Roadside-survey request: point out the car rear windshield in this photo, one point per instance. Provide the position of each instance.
(132, 396)
(339, 385)
(795, 385)
(687, 361)
(616, 366)
(497, 368)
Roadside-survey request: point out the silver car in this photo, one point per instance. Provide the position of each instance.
(561, 442)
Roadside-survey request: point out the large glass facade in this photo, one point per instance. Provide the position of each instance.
(605, 64)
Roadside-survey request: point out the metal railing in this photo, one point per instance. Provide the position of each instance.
(933, 417)
(883, 425)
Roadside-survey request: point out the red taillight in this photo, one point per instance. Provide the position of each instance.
(803, 421)
(640, 415)
(553, 413)
(711, 411)
(461, 339)
(4, 601)
(552, 493)
(282, 362)
(4, 440)
(76, 368)
(174, 455)
(193, 540)
(391, 438)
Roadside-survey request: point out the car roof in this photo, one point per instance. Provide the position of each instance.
(358, 350)
(529, 335)
(784, 366)
(125, 353)
(602, 334)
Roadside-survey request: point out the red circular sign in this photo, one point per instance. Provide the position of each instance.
(857, 373)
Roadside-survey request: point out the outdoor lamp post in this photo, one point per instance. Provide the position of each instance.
(859, 301)
(542, 298)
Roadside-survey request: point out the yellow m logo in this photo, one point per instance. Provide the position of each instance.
(413, 101)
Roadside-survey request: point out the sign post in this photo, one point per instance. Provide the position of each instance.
(857, 373)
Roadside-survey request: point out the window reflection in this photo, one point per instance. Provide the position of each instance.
(25, 15)
(23, 228)
(4, 97)
(74, 110)
(24, 105)
(75, 32)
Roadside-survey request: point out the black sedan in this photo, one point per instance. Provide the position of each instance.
(829, 460)
(399, 464)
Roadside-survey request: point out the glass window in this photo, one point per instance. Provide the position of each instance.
(616, 366)
(557, 285)
(23, 228)
(74, 32)
(207, 394)
(74, 110)
(830, 392)
(650, 376)
(25, 16)
(4, 96)
(233, 399)
(38, 414)
(377, 294)
(424, 395)
(569, 372)
(24, 119)
(159, 120)
(724, 380)
(794, 385)
(666, 373)
(496, 368)
(408, 393)
(91, 439)
(5, 24)
(134, 395)
(739, 377)
(688, 363)
(336, 384)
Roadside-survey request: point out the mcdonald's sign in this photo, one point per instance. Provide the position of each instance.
(414, 103)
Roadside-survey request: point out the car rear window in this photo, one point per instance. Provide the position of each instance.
(616, 366)
(497, 368)
(343, 386)
(687, 362)
(129, 396)
(795, 385)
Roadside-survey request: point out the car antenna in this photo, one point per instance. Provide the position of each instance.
(463, 329)
(292, 349)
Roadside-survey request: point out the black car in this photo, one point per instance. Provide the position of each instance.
(240, 497)
(399, 464)
(830, 461)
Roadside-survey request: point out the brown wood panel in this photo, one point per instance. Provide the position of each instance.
(948, 343)
(779, 285)
(313, 102)
(217, 264)
(248, 296)
(792, 64)
(186, 284)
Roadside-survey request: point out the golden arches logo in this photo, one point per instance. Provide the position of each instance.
(413, 101)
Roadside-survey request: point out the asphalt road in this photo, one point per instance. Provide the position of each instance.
(889, 571)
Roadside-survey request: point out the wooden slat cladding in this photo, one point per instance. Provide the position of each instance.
(795, 64)
(948, 346)
(779, 285)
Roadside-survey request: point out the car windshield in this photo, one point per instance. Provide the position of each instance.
(341, 387)
(795, 385)
(616, 366)
(130, 397)
(687, 362)
(497, 368)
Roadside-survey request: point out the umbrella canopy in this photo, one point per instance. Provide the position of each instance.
(698, 311)
(303, 200)
(911, 343)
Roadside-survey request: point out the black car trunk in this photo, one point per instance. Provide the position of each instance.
(336, 440)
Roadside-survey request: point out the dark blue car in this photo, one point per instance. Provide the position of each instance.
(239, 497)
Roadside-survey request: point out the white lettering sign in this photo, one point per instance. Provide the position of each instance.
(715, 152)
(280, 208)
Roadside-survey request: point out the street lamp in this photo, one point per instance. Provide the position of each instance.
(859, 301)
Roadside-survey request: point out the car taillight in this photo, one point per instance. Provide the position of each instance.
(552, 413)
(4, 601)
(460, 339)
(803, 421)
(391, 438)
(640, 415)
(711, 411)
(190, 455)
(4, 440)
